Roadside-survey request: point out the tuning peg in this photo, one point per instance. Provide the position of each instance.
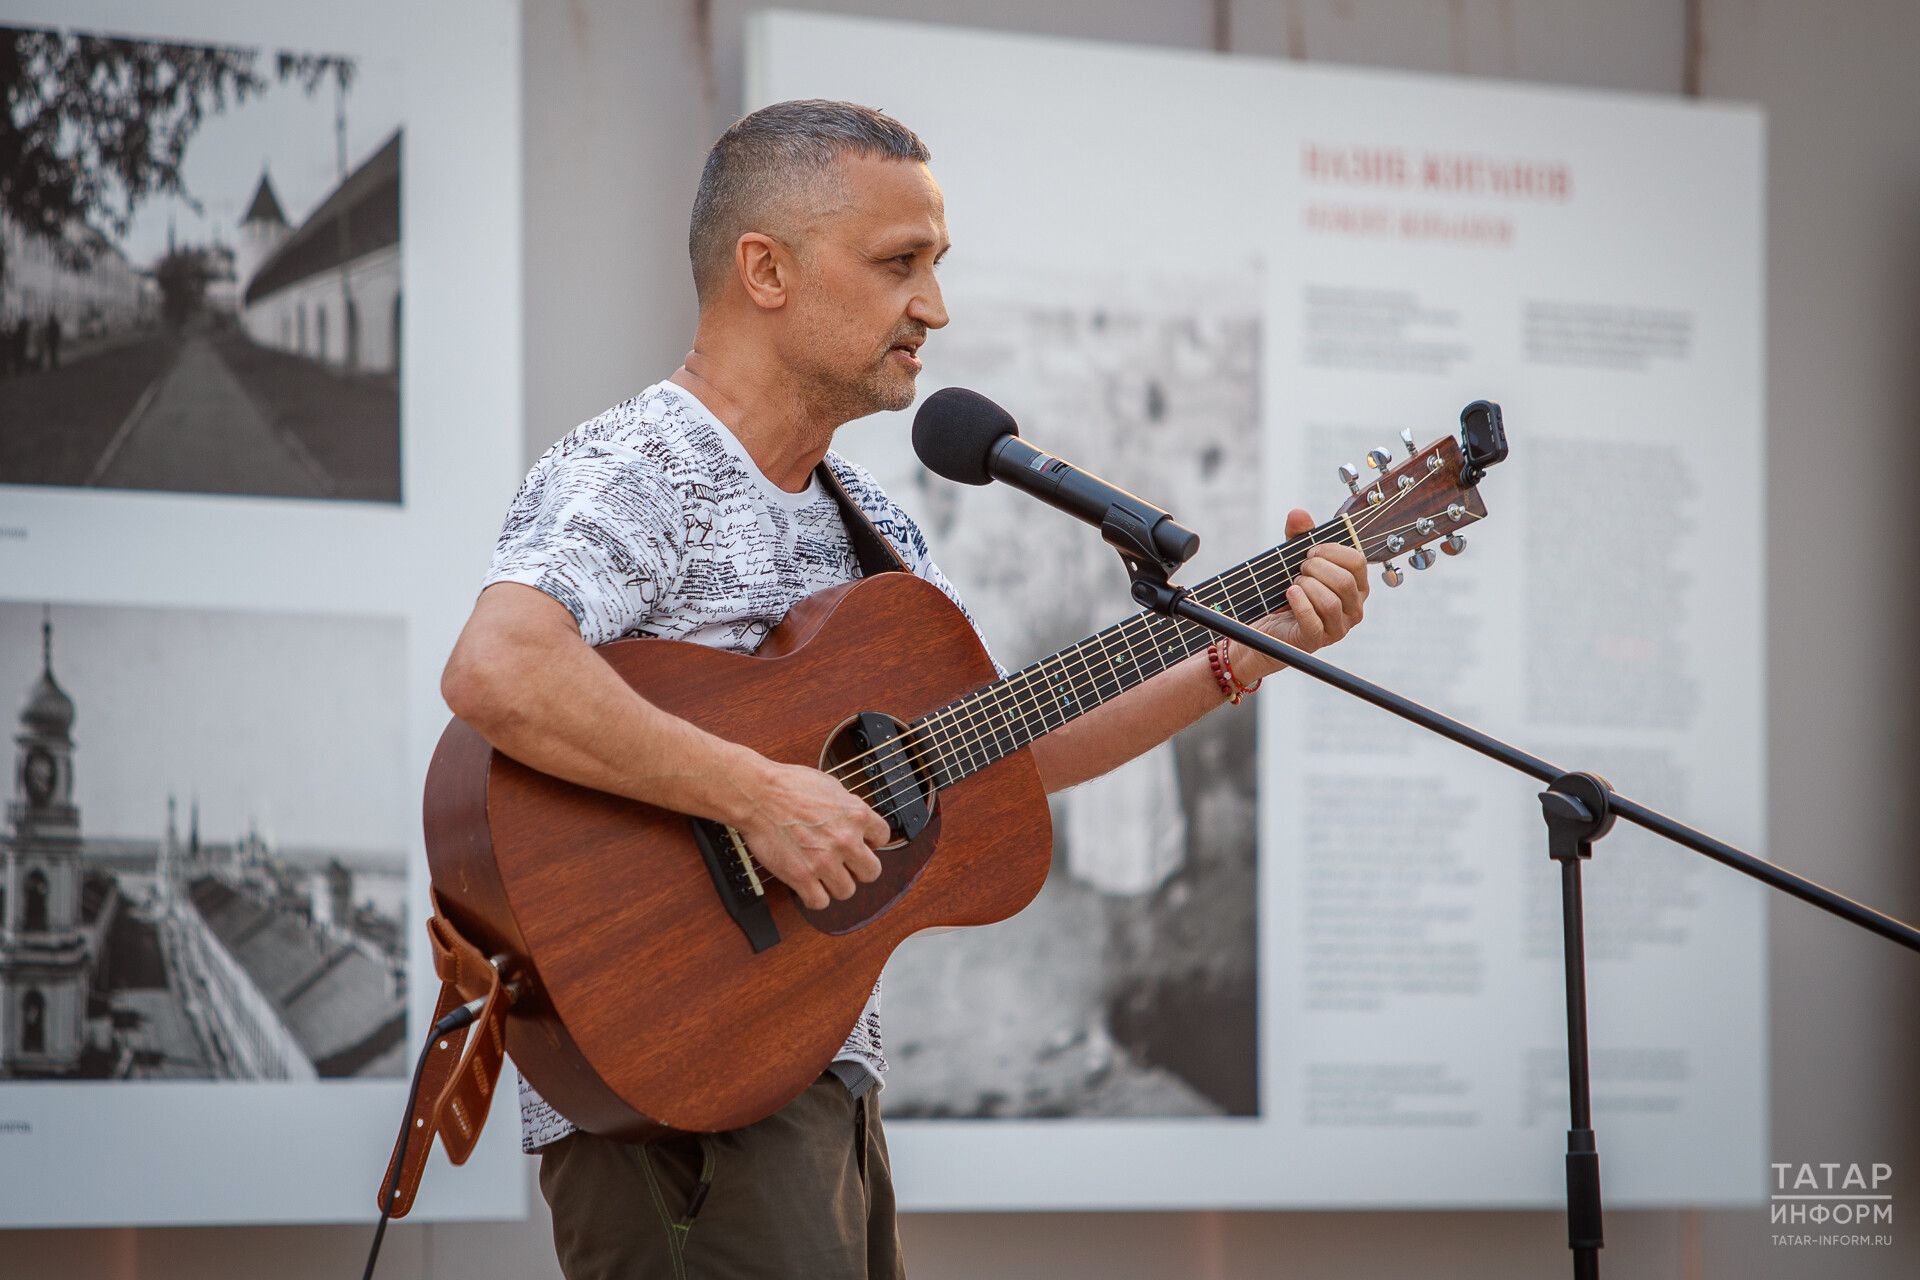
(1379, 459)
(1391, 575)
(1351, 475)
(1406, 438)
(1422, 558)
(1453, 544)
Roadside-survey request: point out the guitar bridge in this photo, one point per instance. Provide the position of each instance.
(737, 881)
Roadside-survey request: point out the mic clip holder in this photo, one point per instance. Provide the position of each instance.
(1151, 552)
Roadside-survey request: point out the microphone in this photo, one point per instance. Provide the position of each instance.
(963, 436)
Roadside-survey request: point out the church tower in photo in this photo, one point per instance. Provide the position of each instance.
(43, 949)
(262, 228)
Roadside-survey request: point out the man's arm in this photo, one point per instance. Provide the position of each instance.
(523, 678)
(1325, 602)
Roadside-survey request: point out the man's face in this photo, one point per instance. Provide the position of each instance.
(866, 293)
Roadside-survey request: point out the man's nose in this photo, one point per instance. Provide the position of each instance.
(928, 307)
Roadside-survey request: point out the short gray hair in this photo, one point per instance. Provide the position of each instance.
(769, 154)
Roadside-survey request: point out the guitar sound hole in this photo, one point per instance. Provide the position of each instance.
(873, 756)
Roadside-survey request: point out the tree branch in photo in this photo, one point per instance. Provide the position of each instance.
(310, 69)
(92, 126)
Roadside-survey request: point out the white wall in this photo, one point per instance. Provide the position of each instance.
(621, 101)
(374, 283)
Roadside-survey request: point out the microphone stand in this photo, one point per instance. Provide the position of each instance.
(1578, 808)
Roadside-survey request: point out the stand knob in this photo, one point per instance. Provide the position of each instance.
(1379, 459)
(1453, 544)
(1422, 559)
(1406, 438)
(1391, 575)
(1350, 474)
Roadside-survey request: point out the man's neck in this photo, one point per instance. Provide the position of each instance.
(758, 405)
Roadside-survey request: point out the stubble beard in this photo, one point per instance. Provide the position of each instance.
(878, 388)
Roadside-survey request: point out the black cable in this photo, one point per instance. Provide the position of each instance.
(458, 1018)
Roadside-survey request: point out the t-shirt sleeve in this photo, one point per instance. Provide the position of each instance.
(600, 530)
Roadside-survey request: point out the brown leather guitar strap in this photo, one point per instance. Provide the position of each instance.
(870, 546)
(463, 1067)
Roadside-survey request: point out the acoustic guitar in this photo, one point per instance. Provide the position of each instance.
(662, 980)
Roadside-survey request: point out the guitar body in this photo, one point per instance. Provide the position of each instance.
(643, 1005)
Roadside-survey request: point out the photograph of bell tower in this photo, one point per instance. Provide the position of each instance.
(182, 955)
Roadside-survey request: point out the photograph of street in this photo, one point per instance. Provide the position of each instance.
(200, 282)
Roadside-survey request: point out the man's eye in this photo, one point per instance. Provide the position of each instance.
(905, 260)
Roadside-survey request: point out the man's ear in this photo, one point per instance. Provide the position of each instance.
(763, 265)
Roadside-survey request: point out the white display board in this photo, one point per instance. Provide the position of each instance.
(262, 604)
(1592, 262)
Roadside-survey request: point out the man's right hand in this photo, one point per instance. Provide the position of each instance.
(523, 677)
(810, 831)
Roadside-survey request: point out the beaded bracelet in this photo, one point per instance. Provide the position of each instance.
(1220, 676)
(1227, 666)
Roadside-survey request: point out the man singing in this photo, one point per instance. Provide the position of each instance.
(693, 512)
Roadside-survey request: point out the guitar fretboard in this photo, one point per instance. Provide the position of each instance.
(993, 722)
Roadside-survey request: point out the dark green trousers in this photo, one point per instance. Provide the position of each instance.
(806, 1194)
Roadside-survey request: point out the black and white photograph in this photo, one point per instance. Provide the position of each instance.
(200, 268)
(1129, 987)
(202, 875)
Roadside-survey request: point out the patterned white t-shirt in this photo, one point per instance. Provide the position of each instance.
(653, 520)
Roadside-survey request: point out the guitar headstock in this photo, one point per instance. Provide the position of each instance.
(1430, 496)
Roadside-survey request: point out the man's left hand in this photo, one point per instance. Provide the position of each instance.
(1327, 599)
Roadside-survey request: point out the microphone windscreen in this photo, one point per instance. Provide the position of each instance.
(954, 433)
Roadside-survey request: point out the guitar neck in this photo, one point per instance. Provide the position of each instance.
(993, 722)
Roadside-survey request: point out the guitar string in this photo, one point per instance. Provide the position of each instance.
(1251, 570)
(1041, 694)
(972, 713)
(1250, 574)
(898, 746)
(1027, 689)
